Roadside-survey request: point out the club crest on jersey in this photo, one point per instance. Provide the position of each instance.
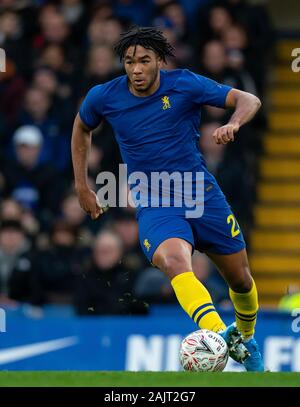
(147, 245)
(166, 102)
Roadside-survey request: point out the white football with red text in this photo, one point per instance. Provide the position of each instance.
(203, 351)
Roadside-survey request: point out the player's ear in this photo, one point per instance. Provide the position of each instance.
(159, 62)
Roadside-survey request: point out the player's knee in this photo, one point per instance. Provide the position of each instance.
(175, 264)
(242, 283)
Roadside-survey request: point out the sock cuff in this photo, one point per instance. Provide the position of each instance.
(182, 276)
(245, 304)
(248, 293)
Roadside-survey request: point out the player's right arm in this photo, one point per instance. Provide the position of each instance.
(88, 118)
(80, 147)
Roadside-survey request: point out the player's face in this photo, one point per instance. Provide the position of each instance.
(142, 67)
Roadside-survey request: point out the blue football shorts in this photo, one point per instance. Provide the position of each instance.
(216, 231)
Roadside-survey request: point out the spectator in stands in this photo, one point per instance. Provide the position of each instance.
(54, 28)
(37, 104)
(236, 62)
(102, 10)
(35, 185)
(60, 93)
(213, 21)
(10, 209)
(76, 15)
(12, 90)
(15, 263)
(38, 111)
(54, 57)
(236, 39)
(172, 22)
(215, 64)
(101, 67)
(104, 31)
(15, 43)
(125, 225)
(55, 269)
(105, 286)
(173, 13)
(256, 20)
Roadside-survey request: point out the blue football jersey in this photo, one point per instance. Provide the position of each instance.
(159, 132)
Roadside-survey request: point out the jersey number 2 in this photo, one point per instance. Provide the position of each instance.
(235, 230)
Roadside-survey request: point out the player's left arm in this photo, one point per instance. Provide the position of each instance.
(245, 107)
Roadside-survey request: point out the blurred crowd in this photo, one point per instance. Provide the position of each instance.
(50, 251)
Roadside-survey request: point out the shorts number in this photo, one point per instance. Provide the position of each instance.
(235, 230)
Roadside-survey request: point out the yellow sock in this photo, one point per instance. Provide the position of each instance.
(246, 307)
(196, 301)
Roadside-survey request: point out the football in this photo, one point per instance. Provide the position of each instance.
(203, 351)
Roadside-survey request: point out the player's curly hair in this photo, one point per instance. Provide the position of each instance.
(147, 37)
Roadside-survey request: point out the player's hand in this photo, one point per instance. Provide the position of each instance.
(89, 202)
(224, 134)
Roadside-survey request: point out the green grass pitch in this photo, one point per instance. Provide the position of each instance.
(147, 379)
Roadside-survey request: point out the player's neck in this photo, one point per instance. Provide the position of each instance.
(148, 92)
